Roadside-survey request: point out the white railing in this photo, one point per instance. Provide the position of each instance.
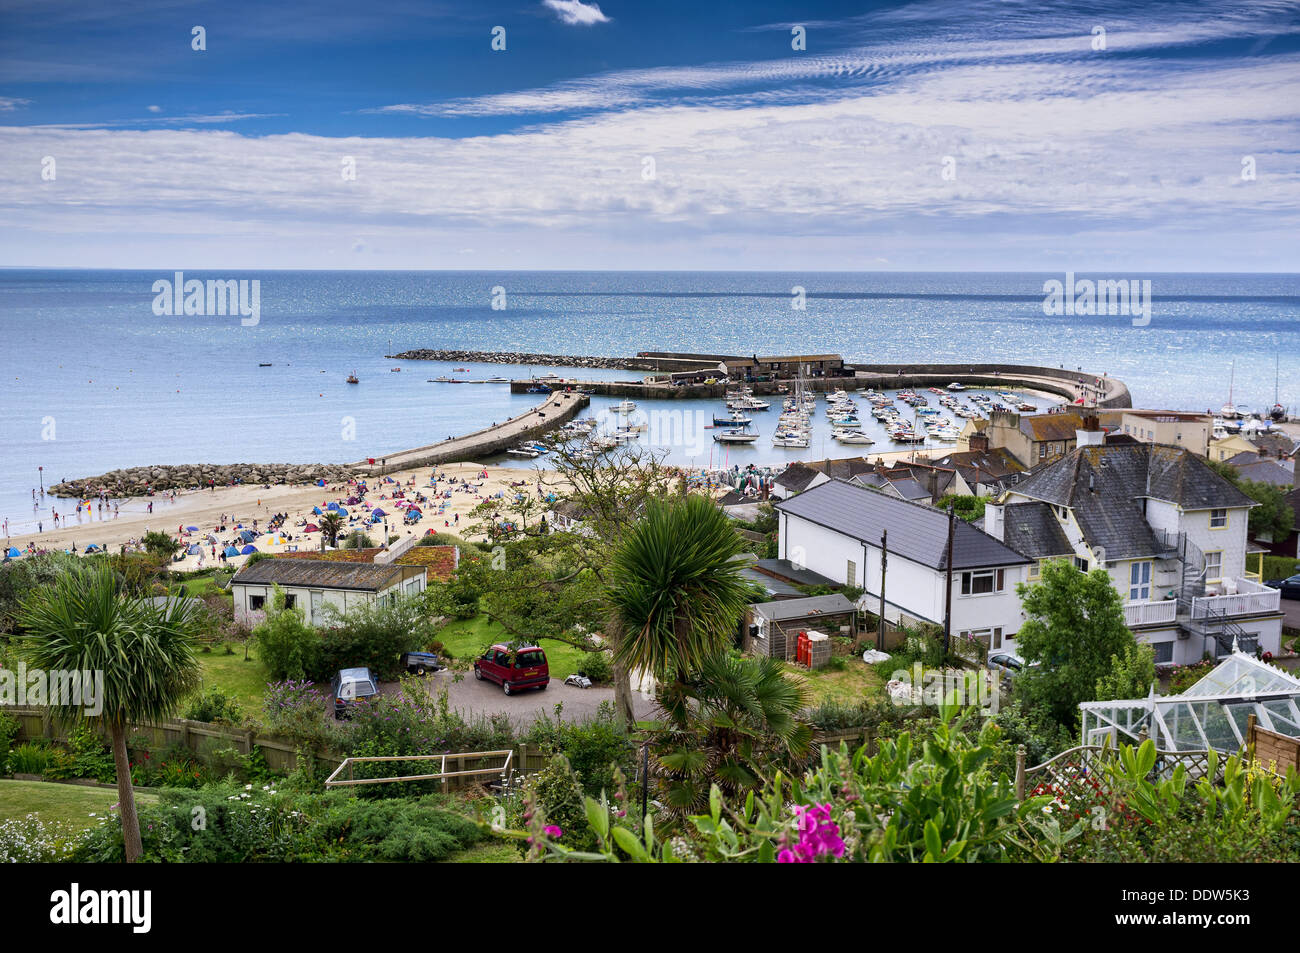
(1249, 599)
(1149, 613)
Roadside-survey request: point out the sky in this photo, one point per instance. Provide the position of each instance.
(993, 135)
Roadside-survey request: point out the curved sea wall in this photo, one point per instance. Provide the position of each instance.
(139, 481)
(511, 357)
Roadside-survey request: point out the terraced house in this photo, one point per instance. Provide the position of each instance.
(1170, 531)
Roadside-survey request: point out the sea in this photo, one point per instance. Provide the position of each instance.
(94, 379)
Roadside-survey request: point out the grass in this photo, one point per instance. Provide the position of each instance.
(202, 586)
(245, 681)
(467, 639)
(853, 683)
(488, 852)
(67, 803)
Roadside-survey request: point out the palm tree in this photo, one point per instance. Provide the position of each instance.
(676, 591)
(84, 622)
(736, 725)
(331, 524)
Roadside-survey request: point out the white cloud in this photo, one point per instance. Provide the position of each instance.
(155, 109)
(10, 103)
(576, 13)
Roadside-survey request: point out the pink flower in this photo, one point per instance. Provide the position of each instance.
(819, 836)
(553, 831)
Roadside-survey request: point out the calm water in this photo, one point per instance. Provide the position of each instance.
(93, 380)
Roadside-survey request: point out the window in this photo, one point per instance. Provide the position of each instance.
(1218, 519)
(1164, 652)
(317, 598)
(290, 600)
(1139, 582)
(982, 582)
(1080, 564)
(1034, 571)
(852, 574)
(256, 603)
(1213, 566)
(1042, 451)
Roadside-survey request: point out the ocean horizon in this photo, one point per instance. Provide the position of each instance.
(96, 380)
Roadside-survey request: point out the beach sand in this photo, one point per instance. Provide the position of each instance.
(204, 508)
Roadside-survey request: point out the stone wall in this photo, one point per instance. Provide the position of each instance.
(138, 481)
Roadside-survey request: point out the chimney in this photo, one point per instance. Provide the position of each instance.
(994, 524)
(979, 442)
(1091, 434)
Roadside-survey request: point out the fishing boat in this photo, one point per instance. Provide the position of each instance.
(956, 385)
(736, 419)
(1277, 411)
(352, 378)
(625, 407)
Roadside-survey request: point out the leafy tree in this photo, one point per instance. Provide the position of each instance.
(84, 621)
(969, 508)
(331, 524)
(1131, 674)
(1075, 626)
(161, 543)
(19, 577)
(1274, 518)
(287, 645)
(675, 592)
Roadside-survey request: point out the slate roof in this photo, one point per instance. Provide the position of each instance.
(991, 465)
(909, 488)
(784, 609)
(319, 573)
(1104, 487)
(916, 532)
(439, 561)
(1264, 471)
(796, 477)
(1032, 529)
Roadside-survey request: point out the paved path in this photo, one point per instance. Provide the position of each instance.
(553, 411)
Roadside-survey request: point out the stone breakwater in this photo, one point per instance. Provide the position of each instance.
(139, 481)
(509, 357)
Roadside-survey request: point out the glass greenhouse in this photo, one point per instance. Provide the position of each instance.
(1211, 714)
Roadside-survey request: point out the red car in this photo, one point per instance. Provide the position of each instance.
(513, 668)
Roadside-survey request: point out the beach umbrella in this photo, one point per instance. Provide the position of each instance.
(231, 551)
(193, 550)
(378, 511)
(247, 549)
(209, 538)
(191, 529)
(311, 528)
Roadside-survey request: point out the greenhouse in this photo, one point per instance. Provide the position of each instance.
(1211, 714)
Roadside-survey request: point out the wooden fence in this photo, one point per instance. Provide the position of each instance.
(1275, 752)
(280, 753)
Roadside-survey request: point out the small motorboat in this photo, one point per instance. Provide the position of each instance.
(352, 378)
(263, 365)
(956, 385)
(735, 436)
(395, 370)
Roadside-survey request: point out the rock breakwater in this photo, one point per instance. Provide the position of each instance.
(511, 357)
(140, 481)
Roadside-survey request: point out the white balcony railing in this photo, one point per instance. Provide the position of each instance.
(1150, 613)
(1250, 598)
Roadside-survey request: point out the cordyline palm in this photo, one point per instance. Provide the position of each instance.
(736, 725)
(331, 524)
(676, 592)
(84, 622)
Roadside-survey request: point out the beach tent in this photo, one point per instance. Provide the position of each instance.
(316, 510)
(92, 548)
(209, 538)
(193, 550)
(341, 511)
(248, 549)
(231, 551)
(191, 529)
(247, 535)
(378, 511)
(332, 506)
(415, 510)
(320, 482)
(13, 552)
(311, 528)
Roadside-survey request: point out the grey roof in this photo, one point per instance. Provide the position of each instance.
(1104, 487)
(785, 569)
(320, 574)
(834, 604)
(909, 488)
(774, 587)
(1032, 529)
(796, 477)
(1265, 471)
(916, 532)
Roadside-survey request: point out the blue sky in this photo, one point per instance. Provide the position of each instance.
(986, 135)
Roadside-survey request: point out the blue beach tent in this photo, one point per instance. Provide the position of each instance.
(231, 551)
(247, 549)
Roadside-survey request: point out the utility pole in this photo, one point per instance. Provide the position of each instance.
(947, 600)
(884, 562)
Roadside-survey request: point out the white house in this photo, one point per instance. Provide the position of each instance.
(1170, 531)
(312, 584)
(836, 529)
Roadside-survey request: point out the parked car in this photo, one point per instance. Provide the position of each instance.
(513, 669)
(352, 685)
(1005, 663)
(1290, 586)
(417, 663)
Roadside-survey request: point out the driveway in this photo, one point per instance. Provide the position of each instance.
(471, 697)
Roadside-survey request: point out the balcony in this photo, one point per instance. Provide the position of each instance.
(1236, 597)
(1150, 613)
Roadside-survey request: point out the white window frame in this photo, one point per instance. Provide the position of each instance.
(1139, 582)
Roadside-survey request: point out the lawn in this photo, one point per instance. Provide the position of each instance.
(233, 676)
(202, 586)
(68, 803)
(487, 852)
(467, 639)
(854, 683)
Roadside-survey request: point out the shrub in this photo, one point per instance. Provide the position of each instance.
(593, 748)
(296, 710)
(87, 756)
(598, 666)
(556, 791)
(373, 634)
(215, 707)
(288, 646)
(30, 758)
(8, 732)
